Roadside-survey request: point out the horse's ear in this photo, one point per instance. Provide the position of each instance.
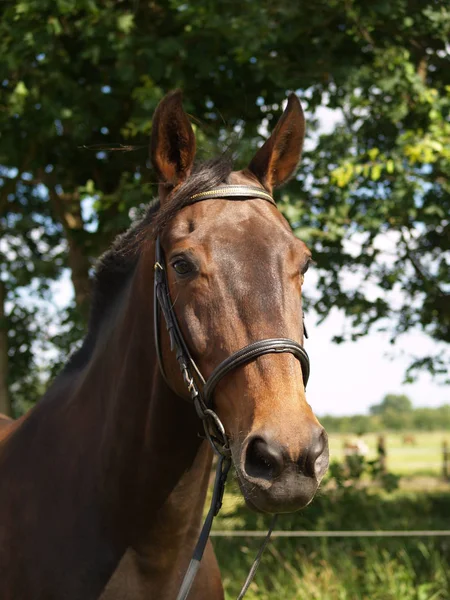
(276, 161)
(172, 145)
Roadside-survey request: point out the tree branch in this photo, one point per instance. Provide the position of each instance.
(419, 270)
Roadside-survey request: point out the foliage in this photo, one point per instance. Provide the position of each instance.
(31, 256)
(379, 182)
(420, 419)
(80, 81)
(357, 470)
(392, 402)
(394, 412)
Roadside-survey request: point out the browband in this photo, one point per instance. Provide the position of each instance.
(233, 192)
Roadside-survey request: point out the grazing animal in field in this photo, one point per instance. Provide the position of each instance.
(409, 440)
(103, 483)
(355, 447)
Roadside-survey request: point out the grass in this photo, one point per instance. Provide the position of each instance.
(336, 571)
(342, 569)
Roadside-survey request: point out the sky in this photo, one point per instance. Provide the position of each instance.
(349, 378)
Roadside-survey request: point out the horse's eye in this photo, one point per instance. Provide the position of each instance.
(182, 267)
(306, 266)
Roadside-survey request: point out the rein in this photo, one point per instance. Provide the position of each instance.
(201, 391)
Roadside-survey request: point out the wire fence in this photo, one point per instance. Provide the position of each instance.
(333, 534)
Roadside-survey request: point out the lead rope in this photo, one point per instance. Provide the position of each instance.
(255, 565)
(223, 467)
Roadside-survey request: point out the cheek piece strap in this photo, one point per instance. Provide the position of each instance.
(201, 391)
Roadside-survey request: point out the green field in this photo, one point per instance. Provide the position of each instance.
(423, 458)
(342, 569)
(416, 568)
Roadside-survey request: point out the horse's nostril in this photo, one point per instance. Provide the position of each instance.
(263, 460)
(316, 450)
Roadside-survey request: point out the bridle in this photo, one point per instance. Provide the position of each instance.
(201, 391)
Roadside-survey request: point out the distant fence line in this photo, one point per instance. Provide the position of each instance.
(333, 534)
(445, 460)
(359, 447)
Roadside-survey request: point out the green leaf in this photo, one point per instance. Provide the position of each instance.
(376, 172)
(125, 22)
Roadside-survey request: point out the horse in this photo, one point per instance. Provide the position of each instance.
(6, 424)
(103, 482)
(4, 420)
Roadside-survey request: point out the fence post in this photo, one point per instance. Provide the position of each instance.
(381, 449)
(445, 460)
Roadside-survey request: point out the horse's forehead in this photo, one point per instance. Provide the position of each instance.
(231, 221)
(244, 224)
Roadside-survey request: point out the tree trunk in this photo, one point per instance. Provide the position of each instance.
(5, 400)
(68, 210)
(79, 266)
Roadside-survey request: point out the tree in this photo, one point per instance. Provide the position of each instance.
(31, 256)
(5, 400)
(392, 402)
(380, 191)
(81, 78)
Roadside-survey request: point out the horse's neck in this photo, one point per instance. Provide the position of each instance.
(119, 452)
(155, 466)
(150, 436)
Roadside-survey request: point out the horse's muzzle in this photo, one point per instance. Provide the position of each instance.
(272, 481)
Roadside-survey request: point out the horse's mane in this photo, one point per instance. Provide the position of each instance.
(115, 267)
